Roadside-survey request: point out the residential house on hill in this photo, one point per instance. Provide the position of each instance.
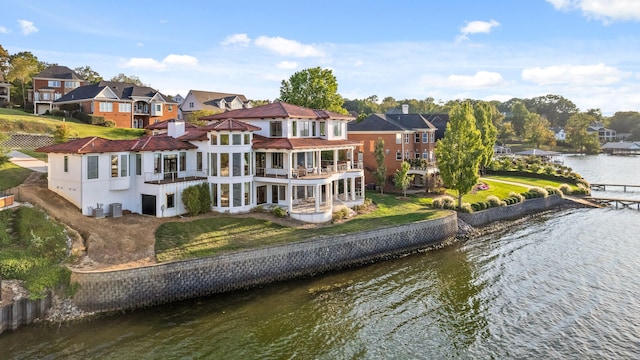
(559, 133)
(604, 134)
(128, 105)
(276, 155)
(52, 84)
(214, 101)
(409, 137)
(5, 91)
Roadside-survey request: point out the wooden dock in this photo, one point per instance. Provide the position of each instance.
(618, 203)
(603, 187)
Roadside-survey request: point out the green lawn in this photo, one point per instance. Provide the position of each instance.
(532, 181)
(18, 121)
(496, 188)
(205, 237)
(12, 175)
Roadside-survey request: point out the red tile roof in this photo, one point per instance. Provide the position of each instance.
(230, 125)
(165, 124)
(90, 145)
(278, 110)
(261, 142)
(194, 134)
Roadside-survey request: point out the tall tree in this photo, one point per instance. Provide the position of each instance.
(519, 115)
(402, 179)
(577, 135)
(5, 60)
(380, 174)
(538, 131)
(24, 66)
(87, 73)
(315, 88)
(460, 151)
(483, 112)
(554, 108)
(128, 79)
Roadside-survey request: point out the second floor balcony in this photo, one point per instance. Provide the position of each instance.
(326, 169)
(174, 176)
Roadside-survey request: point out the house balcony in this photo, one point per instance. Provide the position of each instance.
(327, 168)
(174, 177)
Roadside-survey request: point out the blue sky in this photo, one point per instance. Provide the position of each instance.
(585, 50)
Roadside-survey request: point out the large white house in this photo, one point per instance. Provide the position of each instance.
(274, 155)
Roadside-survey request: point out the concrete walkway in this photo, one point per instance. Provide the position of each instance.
(27, 161)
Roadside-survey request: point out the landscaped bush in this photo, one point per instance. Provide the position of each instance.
(57, 112)
(566, 189)
(494, 201)
(553, 191)
(466, 208)
(476, 206)
(109, 123)
(279, 212)
(444, 202)
(581, 190)
(197, 199)
(538, 192)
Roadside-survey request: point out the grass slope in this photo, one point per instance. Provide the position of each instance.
(12, 175)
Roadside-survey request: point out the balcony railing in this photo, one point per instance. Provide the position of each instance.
(327, 169)
(172, 177)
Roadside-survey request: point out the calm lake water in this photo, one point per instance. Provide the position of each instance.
(561, 285)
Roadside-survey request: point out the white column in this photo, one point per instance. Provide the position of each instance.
(353, 189)
(290, 197)
(289, 166)
(335, 160)
(317, 197)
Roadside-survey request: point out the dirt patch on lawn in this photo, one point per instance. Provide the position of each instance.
(111, 243)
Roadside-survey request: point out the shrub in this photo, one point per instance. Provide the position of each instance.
(581, 190)
(549, 170)
(553, 191)
(109, 123)
(566, 189)
(279, 212)
(538, 192)
(476, 206)
(583, 182)
(61, 133)
(494, 201)
(527, 195)
(444, 202)
(466, 208)
(57, 112)
(197, 199)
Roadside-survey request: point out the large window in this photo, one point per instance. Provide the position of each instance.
(224, 139)
(214, 195)
(124, 107)
(247, 164)
(275, 128)
(237, 195)
(71, 84)
(214, 139)
(92, 167)
(304, 128)
(247, 139)
(224, 195)
(214, 164)
(138, 164)
(337, 129)
(398, 138)
(224, 164)
(171, 201)
(157, 163)
(124, 165)
(183, 161)
(53, 83)
(407, 138)
(237, 164)
(106, 106)
(199, 161)
(237, 139)
(417, 138)
(114, 166)
(294, 128)
(247, 193)
(66, 163)
(323, 128)
(277, 160)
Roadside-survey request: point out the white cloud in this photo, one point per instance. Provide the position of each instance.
(481, 79)
(286, 47)
(598, 74)
(152, 64)
(287, 65)
(236, 39)
(475, 27)
(139, 44)
(27, 27)
(605, 10)
(184, 60)
(4, 30)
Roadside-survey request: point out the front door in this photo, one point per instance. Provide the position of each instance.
(170, 167)
(148, 204)
(261, 194)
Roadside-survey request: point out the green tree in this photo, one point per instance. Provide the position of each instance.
(24, 66)
(315, 88)
(87, 73)
(554, 108)
(402, 179)
(128, 79)
(3, 149)
(380, 174)
(577, 135)
(519, 116)
(538, 131)
(460, 152)
(62, 133)
(5, 61)
(505, 132)
(488, 133)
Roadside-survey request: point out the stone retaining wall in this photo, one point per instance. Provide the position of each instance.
(22, 312)
(162, 283)
(510, 212)
(28, 141)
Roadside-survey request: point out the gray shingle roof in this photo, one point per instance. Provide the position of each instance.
(391, 122)
(59, 72)
(122, 90)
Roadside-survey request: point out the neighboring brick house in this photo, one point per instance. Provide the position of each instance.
(128, 105)
(406, 136)
(214, 101)
(52, 84)
(277, 155)
(5, 91)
